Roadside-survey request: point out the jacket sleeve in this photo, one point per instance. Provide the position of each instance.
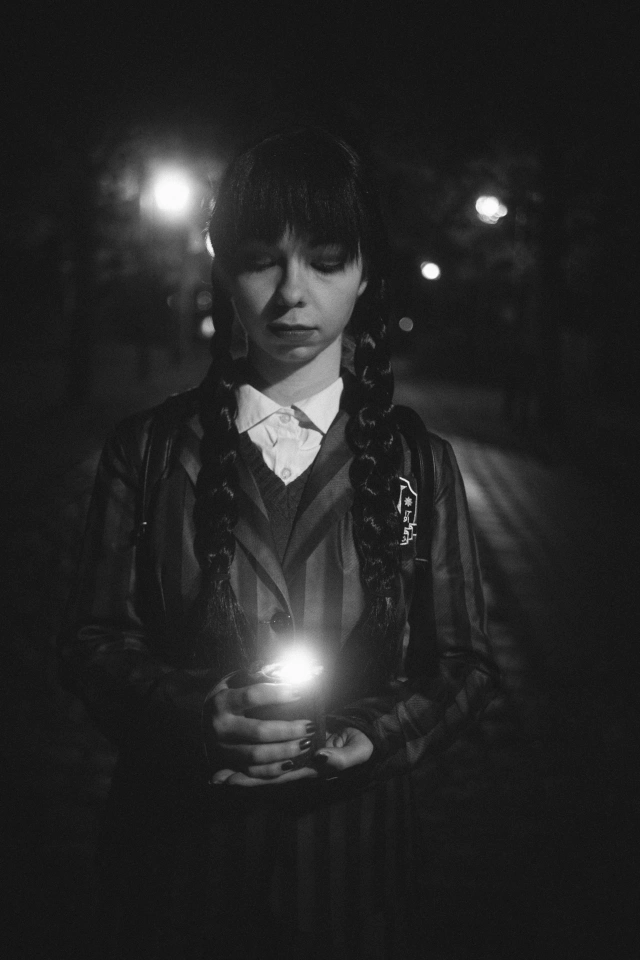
(456, 676)
(109, 657)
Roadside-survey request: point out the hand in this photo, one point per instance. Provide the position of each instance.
(348, 748)
(258, 752)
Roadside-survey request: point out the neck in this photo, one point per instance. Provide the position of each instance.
(287, 384)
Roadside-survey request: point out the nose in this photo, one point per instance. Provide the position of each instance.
(291, 287)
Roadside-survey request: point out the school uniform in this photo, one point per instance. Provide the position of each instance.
(326, 865)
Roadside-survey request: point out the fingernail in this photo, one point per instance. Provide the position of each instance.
(320, 759)
(305, 744)
(310, 728)
(287, 765)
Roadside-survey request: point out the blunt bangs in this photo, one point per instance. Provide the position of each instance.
(305, 182)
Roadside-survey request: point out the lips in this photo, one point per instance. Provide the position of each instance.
(290, 331)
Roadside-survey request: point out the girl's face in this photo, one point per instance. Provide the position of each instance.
(294, 301)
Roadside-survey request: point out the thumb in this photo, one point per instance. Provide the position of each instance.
(342, 757)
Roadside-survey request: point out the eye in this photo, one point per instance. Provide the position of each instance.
(328, 265)
(256, 263)
(327, 257)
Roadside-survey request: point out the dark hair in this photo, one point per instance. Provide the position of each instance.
(304, 181)
(312, 183)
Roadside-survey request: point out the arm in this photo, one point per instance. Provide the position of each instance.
(425, 713)
(116, 653)
(110, 655)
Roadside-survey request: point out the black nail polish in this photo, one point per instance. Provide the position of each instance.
(310, 728)
(305, 744)
(287, 765)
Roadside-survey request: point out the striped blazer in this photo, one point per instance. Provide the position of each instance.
(125, 652)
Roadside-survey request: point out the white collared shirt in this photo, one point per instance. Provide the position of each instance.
(288, 437)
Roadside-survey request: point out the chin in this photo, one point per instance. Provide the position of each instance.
(296, 355)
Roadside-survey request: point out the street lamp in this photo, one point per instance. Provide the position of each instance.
(489, 209)
(172, 193)
(429, 270)
(170, 202)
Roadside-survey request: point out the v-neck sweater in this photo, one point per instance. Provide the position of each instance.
(280, 499)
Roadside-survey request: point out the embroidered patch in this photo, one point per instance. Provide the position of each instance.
(408, 510)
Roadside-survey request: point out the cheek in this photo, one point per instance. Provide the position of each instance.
(249, 299)
(345, 300)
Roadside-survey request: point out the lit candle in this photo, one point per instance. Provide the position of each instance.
(300, 669)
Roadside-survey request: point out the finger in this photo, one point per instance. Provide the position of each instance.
(336, 740)
(270, 771)
(259, 695)
(251, 754)
(238, 729)
(341, 758)
(238, 779)
(220, 777)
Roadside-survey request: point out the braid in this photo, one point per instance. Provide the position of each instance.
(376, 444)
(220, 627)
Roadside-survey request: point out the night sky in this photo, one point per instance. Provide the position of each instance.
(409, 70)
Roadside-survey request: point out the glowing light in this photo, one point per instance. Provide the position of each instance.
(429, 270)
(406, 324)
(172, 193)
(490, 210)
(204, 300)
(207, 328)
(298, 666)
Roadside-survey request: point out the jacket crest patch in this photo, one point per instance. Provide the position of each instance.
(408, 510)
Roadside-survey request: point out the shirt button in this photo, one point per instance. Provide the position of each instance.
(285, 417)
(286, 473)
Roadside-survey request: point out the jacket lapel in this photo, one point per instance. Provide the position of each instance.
(326, 498)
(189, 456)
(253, 530)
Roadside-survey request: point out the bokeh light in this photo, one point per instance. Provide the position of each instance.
(207, 328)
(406, 324)
(489, 209)
(430, 270)
(204, 300)
(172, 193)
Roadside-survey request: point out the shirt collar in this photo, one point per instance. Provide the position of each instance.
(321, 409)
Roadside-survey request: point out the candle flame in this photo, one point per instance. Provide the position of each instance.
(296, 667)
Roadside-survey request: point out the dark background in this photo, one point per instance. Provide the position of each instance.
(532, 102)
(535, 103)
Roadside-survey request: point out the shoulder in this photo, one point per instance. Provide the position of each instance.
(434, 451)
(414, 429)
(177, 409)
(170, 418)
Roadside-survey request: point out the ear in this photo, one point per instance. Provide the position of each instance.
(363, 286)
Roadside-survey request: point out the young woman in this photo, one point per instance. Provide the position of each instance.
(276, 522)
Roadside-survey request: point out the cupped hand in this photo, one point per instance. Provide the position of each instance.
(347, 748)
(260, 751)
(343, 750)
